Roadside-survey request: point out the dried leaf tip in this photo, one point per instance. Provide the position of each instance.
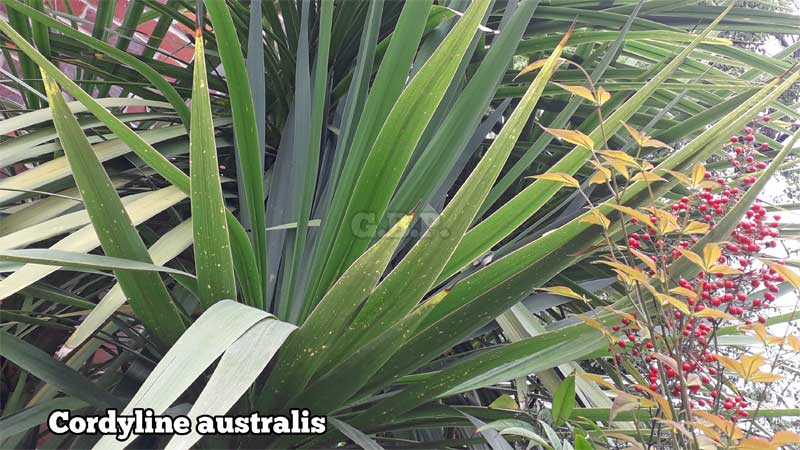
(198, 32)
(568, 33)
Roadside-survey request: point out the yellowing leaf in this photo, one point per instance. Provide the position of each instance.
(642, 139)
(686, 181)
(599, 380)
(634, 134)
(631, 273)
(602, 95)
(713, 313)
(688, 293)
(654, 143)
(723, 269)
(711, 253)
(692, 256)
(765, 377)
(564, 292)
(754, 443)
(562, 178)
(729, 428)
(580, 91)
(794, 342)
(667, 222)
(642, 217)
(748, 368)
(665, 299)
(538, 64)
(599, 178)
(695, 227)
(572, 136)
(760, 331)
(602, 175)
(708, 431)
(596, 217)
(785, 437)
(596, 325)
(650, 177)
(620, 166)
(619, 155)
(663, 404)
(645, 259)
(698, 173)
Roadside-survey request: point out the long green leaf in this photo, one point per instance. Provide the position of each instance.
(165, 248)
(146, 292)
(44, 367)
(212, 248)
(245, 127)
(398, 138)
(81, 260)
(123, 57)
(499, 289)
(389, 82)
(244, 256)
(408, 283)
(324, 326)
(513, 213)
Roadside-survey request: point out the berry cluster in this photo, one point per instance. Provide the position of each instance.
(677, 350)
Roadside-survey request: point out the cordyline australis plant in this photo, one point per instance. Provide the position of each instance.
(250, 194)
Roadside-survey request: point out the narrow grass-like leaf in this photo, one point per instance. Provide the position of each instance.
(165, 248)
(212, 248)
(308, 181)
(81, 261)
(248, 144)
(324, 326)
(86, 239)
(388, 85)
(441, 153)
(37, 414)
(44, 367)
(361, 439)
(43, 115)
(513, 213)
(123, 57)
(244, 256)
(549, 254)
(146, 292)
(407, 284)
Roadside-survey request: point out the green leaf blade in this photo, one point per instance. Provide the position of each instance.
(212, 247)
